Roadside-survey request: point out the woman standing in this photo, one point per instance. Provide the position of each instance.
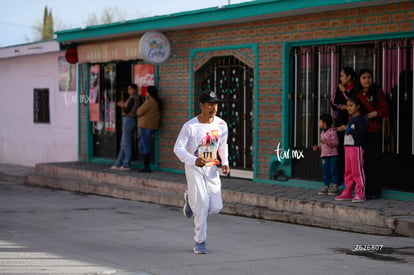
(346, 89)
(129, 125)
(374, 101)
(148, 122)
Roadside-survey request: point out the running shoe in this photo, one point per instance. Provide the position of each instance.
(200, 248)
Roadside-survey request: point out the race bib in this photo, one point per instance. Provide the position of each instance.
(209, 154)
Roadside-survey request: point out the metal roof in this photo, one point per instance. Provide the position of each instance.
(39, 47)
(235, 13)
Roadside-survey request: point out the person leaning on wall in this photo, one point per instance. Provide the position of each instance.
(376, 107)
(149, 115)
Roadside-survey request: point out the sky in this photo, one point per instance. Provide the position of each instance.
(19, 17)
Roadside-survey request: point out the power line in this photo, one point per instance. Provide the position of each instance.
(16, 25)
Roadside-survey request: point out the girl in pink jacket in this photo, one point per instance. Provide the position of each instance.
(329, 154)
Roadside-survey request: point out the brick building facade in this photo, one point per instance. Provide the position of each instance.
(279, 49)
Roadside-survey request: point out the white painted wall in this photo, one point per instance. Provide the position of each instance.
(23, 142)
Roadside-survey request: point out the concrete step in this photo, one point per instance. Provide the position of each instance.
(404, 226)
(126, 179)
(303, 219)
(347, 217)
(346, 212)
(12, 178)
(14, 173)
(87, 186)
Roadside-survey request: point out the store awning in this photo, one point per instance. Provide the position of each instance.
(106, 51)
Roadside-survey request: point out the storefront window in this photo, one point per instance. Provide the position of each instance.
(314, 77)
(108, 84)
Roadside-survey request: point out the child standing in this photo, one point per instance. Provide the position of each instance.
(329, 155)
(354, 161)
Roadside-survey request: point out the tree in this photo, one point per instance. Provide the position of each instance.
(43, 29)
(47, 28)
(109, 15)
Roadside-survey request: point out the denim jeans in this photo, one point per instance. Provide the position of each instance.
(330, 170)
(129, 124)
(144, 144)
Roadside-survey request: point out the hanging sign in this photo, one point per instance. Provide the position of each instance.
(154, 48)
(71, 55)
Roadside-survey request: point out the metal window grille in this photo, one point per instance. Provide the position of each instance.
(41, 110)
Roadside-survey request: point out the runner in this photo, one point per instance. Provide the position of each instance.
(201, 139)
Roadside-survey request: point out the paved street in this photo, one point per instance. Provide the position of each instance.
(45, 231)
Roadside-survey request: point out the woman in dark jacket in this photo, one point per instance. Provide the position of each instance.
(375, 103)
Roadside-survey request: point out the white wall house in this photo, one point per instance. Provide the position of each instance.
(38, 105)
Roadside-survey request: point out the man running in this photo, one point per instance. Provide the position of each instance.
(201, 140)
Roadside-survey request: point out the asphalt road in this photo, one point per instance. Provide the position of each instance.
(45, 231)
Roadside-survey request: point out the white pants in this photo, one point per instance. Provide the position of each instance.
(204, 196)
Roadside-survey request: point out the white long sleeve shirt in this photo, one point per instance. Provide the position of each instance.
(203, 140)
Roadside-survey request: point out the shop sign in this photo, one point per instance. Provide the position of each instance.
(107, 51)
(72, 55)
(154, 48)
(67, 75)
(144, 77)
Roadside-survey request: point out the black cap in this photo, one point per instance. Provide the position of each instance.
(209, 96)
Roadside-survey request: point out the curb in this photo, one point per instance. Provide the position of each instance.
(241, 203)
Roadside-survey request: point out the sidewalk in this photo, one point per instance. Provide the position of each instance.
(14, 173)
(240, 197)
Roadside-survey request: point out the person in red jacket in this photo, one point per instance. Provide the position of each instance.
(376, 108)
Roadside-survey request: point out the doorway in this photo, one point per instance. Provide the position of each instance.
(112, 81)
(232, 80)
